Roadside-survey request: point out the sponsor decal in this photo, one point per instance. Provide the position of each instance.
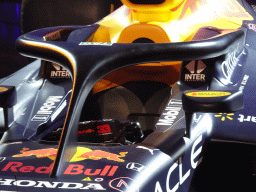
(81, 154)
(75, 169)
(248, 118)
(208, 94)
(17, 167)
(3, 89)
(230, 65)
(56, 66)
(183, 174)
(170, 113)
(40, 153)
(195, 68)
(99, 179)
(251, 26)
(98, 154)
(244, 82)
(46, 110)
(231, 69)
(50, 185)
(59, 72)
(224, 116)
(242, 118)
(135, 166)
(146, 148)
(121, 184)
(87, 179)
(2, 159)
(57, 112)
(96, 43)
(72, 169)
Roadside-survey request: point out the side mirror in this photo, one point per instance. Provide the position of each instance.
(210, 102)
(8, 98)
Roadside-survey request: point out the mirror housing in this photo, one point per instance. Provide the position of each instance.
(8, 98)
(210, 102)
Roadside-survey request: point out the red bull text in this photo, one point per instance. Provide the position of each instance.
(72, 169)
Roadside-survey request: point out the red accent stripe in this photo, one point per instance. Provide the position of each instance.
(112, 171)
(105, 170)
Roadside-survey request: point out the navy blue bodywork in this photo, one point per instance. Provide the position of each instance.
(50, 101)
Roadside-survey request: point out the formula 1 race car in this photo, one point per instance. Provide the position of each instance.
(157, 96)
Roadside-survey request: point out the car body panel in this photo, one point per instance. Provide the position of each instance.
(60, 86)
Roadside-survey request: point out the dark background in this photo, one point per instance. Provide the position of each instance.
(21, 16)
(10, 30)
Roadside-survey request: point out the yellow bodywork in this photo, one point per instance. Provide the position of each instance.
(170, 21)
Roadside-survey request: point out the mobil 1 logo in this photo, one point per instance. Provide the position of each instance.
(194, 73)
(171, 113)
